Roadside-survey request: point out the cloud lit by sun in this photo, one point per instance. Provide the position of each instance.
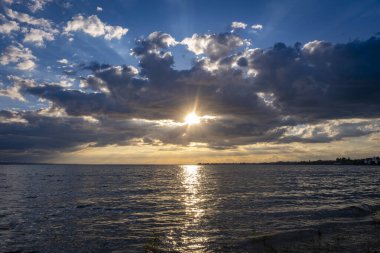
(226, 85)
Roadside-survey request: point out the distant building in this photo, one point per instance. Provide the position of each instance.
(372, 160)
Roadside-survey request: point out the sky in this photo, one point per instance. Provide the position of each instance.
(181, 82)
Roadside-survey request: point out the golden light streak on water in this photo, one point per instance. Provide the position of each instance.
(192, 199)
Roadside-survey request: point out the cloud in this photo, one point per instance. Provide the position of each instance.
(213, 45)
(285, 81)
(95, 27)
(8, 27)
(63, 61)
(321, 80)
(330, 130)
(155, 42)
(25, 18)
(37, 5)
(99, 8)
(257, 27)
(58, 132)
(26, 65)
(317, 92)
(41, 31)
(316, 46)
(9, 117)
(20, 55)
(14, 91)
(238, 25)
(38, 36)
(158, 93)
(29, 127)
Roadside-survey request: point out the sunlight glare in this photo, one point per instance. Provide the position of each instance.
(192, 119)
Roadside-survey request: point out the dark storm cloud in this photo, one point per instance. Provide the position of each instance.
(283, 94)
(75, 102)
(321, 80)
(42, 132)
(48, 131)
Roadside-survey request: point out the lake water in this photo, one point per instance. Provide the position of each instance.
(213, 208)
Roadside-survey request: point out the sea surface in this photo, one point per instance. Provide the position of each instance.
(189, 208)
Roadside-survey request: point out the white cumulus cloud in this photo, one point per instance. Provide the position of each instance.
(238, 25)
(20, 55)
(14, 91)
(38, 36)
(36, 30)
(8, 26)
(63, 61)
(257, 27)
(26, 18)
(37, 5)
(214, 45)
(93, 26)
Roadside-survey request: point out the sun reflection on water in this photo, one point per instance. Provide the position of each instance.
(191, 178)
(193, 201)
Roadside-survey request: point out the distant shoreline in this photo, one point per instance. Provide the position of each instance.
(318, 162)
(289, 163)
(339, 161)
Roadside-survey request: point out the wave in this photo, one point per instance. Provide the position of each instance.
(355, 236)
(347, 211)
(353, 211)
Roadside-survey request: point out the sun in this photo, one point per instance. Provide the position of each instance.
(192, 119)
